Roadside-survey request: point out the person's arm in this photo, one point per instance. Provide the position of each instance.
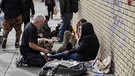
(36, 47)
(31, 36)
(2, 5)
(32, 8)
(62, 6)
(84, 45)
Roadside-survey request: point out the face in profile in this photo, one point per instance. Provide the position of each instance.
(80, 23)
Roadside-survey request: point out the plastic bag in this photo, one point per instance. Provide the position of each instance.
(102, 66)
(55, 11)
(63, 68)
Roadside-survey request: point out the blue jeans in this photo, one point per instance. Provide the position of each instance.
(65, 24)
(63, 56)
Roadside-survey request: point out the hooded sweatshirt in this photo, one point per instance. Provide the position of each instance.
(88, 43)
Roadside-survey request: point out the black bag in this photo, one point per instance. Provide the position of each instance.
(63, 68)
(74, 5)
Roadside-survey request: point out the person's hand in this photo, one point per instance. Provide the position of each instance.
(40, 35)
(66, 52)
(32, 16)
(46, 51)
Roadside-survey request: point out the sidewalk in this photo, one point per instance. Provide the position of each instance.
(8, 56)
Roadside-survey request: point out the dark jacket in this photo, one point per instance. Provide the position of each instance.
(53, 2)
(27, 7)
(11, 8)
(88, 44)
(45, 30)
(65, 6)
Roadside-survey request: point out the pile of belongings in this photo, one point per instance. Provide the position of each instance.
(63, 68)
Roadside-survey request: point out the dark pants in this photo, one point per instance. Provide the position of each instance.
(34, 59)
(50, 11)
(13, 23)
(65, 24)
(26, 21)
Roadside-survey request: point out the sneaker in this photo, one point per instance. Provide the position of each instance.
(21, 62)
(17, 45)
(4, 43)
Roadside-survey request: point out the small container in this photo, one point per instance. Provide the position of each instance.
(99, 75)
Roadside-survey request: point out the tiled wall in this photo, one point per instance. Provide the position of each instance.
(114, 24)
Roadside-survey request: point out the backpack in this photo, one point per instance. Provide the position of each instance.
(74, 5)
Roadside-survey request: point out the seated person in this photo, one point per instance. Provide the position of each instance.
(29, 49)
(79, 24)
(45, 30)
(87, 49)
(55, 33)
(68, 38)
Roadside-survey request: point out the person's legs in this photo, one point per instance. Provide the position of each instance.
(7, 28)
(52, 11)
(67, 36)
(35, 59)
(17, 27)
(73, 56)
(63, 56)
(65, 24)
(21, 61)
(73, 40)
(57, 56)
(26, 21)
(48, 11)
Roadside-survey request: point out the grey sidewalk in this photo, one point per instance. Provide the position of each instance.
(8, 56)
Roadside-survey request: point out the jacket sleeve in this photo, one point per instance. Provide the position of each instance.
(21, 8)
(32, 7)
(62, 6)
(83, 46)
(2, 5)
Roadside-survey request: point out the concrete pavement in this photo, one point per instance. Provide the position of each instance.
(9, 55)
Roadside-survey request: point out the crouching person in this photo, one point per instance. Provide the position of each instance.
(87, 49)
(29, 49)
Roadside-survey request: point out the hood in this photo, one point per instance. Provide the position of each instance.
(87, 29)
